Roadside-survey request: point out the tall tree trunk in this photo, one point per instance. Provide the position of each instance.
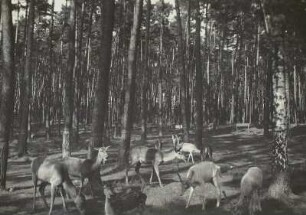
(198, 81)
(233, 100)
(49, 77)
(189, 74)
(127, 119)
(145, 80)
(7, 91)
(160, 72)
(68, 85)
(86, 65)
(181, 54)
(102, 87)
(267, 99)
(280, 188)
(26, 85)
(17, 23)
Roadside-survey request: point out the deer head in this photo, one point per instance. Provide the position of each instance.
(180, 156)
(102, 154)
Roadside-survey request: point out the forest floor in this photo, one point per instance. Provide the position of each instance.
(241, 149)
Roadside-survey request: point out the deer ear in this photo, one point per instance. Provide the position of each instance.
(95, 148)
(106, 148)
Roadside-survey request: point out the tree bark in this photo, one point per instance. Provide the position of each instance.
(102, 87)
(49, 77)
(127, 119)
(26, 85)
(7, 91)
(280, 188)
(198, 81)
(145, 86)
(68, 85)
(233, 100)
(182, 69)
(267, 99)
(160, 72)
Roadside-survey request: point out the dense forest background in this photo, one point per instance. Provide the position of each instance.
(111, 66)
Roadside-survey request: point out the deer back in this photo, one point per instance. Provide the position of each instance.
(189, 147)
(203, 172)
(143, 154)
(53, 172)
(251, 180)
(74, 165)
(36, 164)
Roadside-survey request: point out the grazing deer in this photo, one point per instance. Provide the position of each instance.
(55, 173)
(128, 199)
(191, 148)
(144, 154)
(198, 175)
(250, 186)
(86, 168)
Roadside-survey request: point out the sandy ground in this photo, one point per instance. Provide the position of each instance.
(240, 149)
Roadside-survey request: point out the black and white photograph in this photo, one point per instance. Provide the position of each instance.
(153, 107)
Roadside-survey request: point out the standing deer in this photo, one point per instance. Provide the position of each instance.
(144, 154)
(250, 186)
(86, 168)
(191, 149)
(198, 175)
(55, 173)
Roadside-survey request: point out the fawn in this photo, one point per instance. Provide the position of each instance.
(191, 148)
(144, 154)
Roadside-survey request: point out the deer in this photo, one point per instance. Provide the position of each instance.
(86, 168)
(144, 154)
(191, 148)
(250, 186)
(198, 175)
(55, 173)
(127, 199)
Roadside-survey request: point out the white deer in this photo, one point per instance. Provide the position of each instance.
(144, 154)
(198, 175)
(250, 186)
(190, 148)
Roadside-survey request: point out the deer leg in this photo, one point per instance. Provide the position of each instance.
(90, 178)
(157, 174)
(90, 185)
(257, 205)
(152, 173)
(258, 199)
(35, 188)
(42, 193)
(137, 167)
(192, 157)
(189, 198)
(52, 198)
(251, 205)
(188, 156)
(82, 182)
(216, 184)
(204, 203)
(63, 199)
(127, 176)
